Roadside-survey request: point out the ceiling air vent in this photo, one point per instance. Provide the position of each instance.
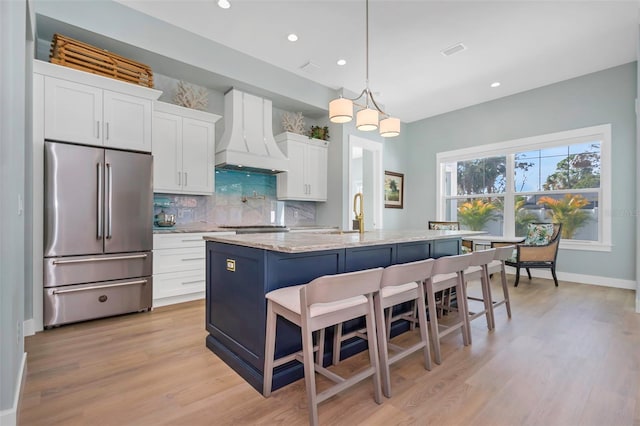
(456, 48)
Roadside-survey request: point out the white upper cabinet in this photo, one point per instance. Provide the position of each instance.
(85, 108)
(306, 178)
(183, 149)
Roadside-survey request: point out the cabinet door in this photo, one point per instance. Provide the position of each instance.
(292, 184)
(316, 172)
(167, 152)
(72, 112)
(197, 156)
(127, 121)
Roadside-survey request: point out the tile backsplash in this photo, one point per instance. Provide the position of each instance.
(241, 198)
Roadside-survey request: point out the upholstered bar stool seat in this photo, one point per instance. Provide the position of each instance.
(447, 274)
(324, 302)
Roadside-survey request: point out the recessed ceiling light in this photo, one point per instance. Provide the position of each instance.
(224, 4)
(292, 37)
(495, 84)
(341, 62)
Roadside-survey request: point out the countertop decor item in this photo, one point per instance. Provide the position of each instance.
(164, 219)
(341, 109)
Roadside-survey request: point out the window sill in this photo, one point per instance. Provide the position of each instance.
(585, 246)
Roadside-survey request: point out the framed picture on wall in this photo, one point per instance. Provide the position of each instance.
(393, 190)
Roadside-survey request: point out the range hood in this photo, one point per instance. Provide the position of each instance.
(247, 142)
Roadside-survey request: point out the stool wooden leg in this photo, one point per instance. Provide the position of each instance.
(424, 333)
(373, 351)
(337, 343)
(433, 320)
(505, 290)
(309, 372)
(462, 309)
(486, 296)
(269, 351)
(383, 350)
(320, 353)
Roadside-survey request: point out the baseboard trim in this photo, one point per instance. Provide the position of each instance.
(577, 278)
(29, 327)
(9, 417)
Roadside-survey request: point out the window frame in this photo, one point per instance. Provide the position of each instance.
(509, 148)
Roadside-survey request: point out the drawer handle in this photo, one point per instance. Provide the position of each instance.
(192, 282)
(193, 241)
(192, 258)
(75, 290)
(99, 259)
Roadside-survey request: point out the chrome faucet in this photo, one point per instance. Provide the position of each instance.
(358, 223)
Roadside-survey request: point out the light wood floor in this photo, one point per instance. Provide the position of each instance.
(569, 356)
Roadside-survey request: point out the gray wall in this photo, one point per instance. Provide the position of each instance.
(604, 97)
(13, 121)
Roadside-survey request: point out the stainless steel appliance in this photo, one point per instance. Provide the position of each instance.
(97, 232)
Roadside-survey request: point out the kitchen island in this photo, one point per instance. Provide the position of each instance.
(241, 269)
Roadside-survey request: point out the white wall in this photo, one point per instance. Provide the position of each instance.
(603, 97)
(13, 121)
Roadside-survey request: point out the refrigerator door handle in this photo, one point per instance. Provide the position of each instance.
(109, 198)
(75, 290)
(99, 259)
(100, 197)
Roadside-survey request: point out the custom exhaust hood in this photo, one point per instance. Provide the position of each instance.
(247, 142)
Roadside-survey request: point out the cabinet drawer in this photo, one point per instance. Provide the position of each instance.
(178, 284)
(178, 240)
(179, 259)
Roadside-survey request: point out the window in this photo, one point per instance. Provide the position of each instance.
(561, 177)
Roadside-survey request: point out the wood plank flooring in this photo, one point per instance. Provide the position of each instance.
(569, 356)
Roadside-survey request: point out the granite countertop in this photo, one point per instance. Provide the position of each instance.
(300, 242)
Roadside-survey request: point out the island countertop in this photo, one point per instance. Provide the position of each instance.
(301, 242)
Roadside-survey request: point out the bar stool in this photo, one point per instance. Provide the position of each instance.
(447, 273)
(401, 283)
(325, 301)
(478, 270)
(498, 265)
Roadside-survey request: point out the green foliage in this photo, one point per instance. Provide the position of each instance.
(318, 132)
(576, 171)
(567, 211)
(523, 216)
(475, 214)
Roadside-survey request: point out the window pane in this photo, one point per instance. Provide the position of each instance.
(554, 173)
(527, 170)
(478, 214)
(578, 213)
(481, 176)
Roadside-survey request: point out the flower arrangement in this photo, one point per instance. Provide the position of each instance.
(567, 211)
(475, 214)
(318, 132)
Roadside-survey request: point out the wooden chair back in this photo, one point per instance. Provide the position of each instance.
(407, 272)
(332, 288)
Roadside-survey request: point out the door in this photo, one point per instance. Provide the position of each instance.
(167, 152)
(128, 201)
(127, 122)
(73, 202)
(73, 112)
(197, 156)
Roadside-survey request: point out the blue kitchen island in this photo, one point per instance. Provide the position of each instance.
(241, 269)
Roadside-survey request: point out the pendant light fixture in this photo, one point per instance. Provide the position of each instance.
(370, 116)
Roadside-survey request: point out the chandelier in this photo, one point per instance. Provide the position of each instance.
(370, 116)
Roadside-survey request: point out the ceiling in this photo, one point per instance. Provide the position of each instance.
(521, 44)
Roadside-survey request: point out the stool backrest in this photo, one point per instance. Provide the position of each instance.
(331, 288)
(482, 257)
(449, 264)
(504, 253)
(407, 272)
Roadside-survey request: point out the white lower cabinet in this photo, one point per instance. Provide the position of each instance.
(179, 263)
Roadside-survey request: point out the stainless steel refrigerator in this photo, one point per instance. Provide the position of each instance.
(97, 232)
